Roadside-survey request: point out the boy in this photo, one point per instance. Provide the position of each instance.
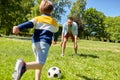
(45, 26)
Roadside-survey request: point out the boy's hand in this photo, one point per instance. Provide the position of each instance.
(53, 42)
(15, 30)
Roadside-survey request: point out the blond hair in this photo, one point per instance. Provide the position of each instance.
(46, 6)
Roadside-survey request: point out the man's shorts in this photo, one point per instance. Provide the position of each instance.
(69, 35)
(40, 50)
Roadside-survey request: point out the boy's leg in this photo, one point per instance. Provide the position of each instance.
(38, 67)
(75, 43)
(38, 74)
(41, 51)
(33, 65)
(20, 69)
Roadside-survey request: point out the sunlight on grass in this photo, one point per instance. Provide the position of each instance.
(95, 60)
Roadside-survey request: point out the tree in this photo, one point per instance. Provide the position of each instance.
(77, 9)
(112, 28)
(76, 12)
(12, 13)
(59, 8)
(93, 20)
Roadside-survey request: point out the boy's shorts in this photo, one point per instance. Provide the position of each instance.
(69, 35)
(40, 50)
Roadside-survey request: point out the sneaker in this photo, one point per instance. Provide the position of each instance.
(20, 69)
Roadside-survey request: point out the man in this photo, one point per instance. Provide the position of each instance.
(70, 29)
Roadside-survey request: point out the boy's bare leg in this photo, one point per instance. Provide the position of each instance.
(37, 66)
(37, 74)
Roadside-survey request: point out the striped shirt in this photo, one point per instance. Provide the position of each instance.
(44, 25)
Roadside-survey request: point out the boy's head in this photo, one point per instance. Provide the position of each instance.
(46, 7)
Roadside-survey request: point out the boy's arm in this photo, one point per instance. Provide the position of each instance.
(26, 25)
(17, 29)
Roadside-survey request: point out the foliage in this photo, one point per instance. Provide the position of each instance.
(93, 21)
(14, 12)
(112, 28)
(95, 60)
(76, 12)
(77, 9)
(59, 6)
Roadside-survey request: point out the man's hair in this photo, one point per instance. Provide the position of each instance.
(70, 18)
(46, 6)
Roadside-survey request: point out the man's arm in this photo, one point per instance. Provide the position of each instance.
(62, 35)
(63, 31)
(76, 32)
(76, 29)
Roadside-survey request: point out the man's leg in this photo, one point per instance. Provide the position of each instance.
(74, 39)
(64, 46)
(75, 47)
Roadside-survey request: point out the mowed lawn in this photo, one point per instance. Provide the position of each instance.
(95, 60)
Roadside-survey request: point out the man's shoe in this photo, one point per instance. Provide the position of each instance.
(62, 54)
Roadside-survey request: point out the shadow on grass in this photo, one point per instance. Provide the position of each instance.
(85, 55)
(15, 37)
(86, 78)
(62, 77)
(81, 76)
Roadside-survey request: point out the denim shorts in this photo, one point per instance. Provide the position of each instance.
(40, 50)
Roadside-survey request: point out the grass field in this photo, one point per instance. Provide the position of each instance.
(95, 60)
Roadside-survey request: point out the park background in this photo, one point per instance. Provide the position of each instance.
(97, 20)
(98, 40)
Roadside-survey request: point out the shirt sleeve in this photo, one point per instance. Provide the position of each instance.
(26, 25)
(63, 29)
(76, 29)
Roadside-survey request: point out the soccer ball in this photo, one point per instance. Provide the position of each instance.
(54, 72)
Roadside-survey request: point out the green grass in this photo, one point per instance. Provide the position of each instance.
(95, 60)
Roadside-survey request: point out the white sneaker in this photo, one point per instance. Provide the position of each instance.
(20, 69)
